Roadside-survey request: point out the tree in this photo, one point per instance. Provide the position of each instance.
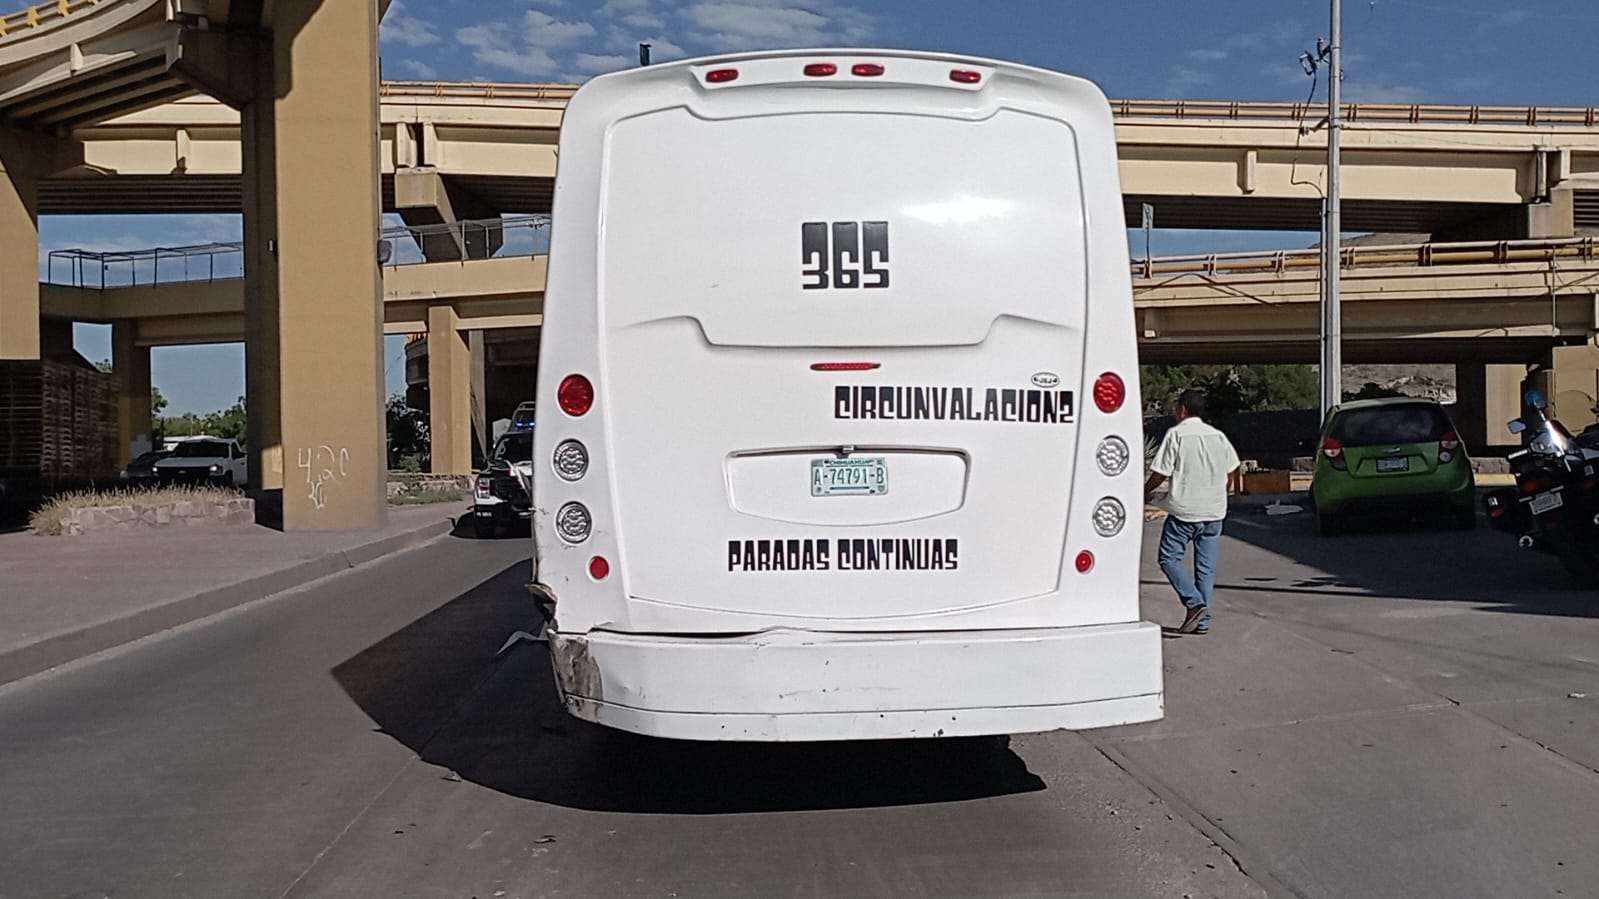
(1231, 388)
(408, 433)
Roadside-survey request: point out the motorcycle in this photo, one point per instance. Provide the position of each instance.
(1554, 507)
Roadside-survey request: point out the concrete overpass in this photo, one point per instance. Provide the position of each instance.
(302, 75)
(1456, 172)
(1490, 308)
(291, 84)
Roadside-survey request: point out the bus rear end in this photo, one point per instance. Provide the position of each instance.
(843, 436)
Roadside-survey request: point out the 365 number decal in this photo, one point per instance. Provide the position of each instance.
(844, 255)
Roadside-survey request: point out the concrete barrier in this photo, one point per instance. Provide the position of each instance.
(142, 516)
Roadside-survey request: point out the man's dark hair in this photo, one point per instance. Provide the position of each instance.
(1193, 399)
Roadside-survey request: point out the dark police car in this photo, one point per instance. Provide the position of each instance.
(499, 497)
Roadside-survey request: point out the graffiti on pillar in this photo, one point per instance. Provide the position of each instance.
(322, 466)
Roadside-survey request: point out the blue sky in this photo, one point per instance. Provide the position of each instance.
(1536, 52)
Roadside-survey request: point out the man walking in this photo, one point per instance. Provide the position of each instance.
(1199, 461)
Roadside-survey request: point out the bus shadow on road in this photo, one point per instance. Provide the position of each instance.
(442, 687)
(1396, 559)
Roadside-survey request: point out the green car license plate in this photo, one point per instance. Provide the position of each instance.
(1394, 463)
(849, 477)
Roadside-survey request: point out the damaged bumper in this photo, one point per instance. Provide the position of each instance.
(785, 684)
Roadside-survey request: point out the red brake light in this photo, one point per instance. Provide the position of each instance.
(721, 76)
(965, 76)
(576, 395)
(1110, 391)
(1085, 562)
(599, 569)
(1447, 444)
(1334, 451)
(821, 69)
(867, 69)
(844, 366)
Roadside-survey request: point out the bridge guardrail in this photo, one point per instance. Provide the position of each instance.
(1355, 113)
(224, 260)
(44, 13)
(1421, 255)
(1240, 110)
(488, 90)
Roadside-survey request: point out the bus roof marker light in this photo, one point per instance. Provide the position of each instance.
(866, 69)
(820, 70)
(965, 76)
(721, 76)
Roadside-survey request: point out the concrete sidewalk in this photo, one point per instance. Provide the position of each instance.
(63, 598)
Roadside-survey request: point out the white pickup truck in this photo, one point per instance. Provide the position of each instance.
(204, 460)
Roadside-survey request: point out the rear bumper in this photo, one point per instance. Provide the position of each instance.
(783, 684)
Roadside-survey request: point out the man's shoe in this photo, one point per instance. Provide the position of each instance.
(1190, 624)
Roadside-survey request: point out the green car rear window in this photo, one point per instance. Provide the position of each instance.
(1419, 423)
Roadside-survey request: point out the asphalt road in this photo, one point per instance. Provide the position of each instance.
(1390, 714)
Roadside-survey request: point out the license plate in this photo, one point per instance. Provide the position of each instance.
(849, 477)
(1394, 463)
(1546, 502)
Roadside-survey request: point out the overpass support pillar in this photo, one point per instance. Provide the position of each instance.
(427, 202)
(1555, 218)
(130, 363)
(313, 310)
(1489, 396)
(449, 393)
(19, 268)
(1570, 380)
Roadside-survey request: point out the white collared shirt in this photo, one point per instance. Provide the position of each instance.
(1197, 459)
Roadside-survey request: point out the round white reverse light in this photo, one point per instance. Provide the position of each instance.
(1109, 517)
(573, 523)
(571, 460)
(1113, 456)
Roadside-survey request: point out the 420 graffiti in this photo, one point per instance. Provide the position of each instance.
(844, 255)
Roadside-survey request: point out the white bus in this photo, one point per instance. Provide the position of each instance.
(841, 433)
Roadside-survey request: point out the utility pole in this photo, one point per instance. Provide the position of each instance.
(1332, 230)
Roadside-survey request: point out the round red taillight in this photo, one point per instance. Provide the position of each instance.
(576, 395)
(1085, 562)
(599, 569)
(1110, 391)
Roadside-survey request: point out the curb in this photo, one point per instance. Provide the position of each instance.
(59, 649)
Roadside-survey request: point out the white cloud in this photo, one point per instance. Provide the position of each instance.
(544, 30)
(1208, 55)
(1381, 92)
(399, 28)
(756, 24)
(1182, 79)
(491, 45)
(420, 69)
(593, 63)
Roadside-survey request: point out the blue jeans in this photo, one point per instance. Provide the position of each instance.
(1174, 539)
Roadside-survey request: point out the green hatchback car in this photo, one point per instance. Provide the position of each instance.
(1394, 456)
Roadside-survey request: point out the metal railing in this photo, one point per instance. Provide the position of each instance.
(1236, 110)
(1418, 255)
(525, 235)
(1354, 113)
(489, 90)
(44, 13)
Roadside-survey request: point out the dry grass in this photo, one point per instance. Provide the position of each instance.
(50, 519)
(427, 495)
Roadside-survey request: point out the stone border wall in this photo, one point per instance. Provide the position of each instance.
(148, 516)
(412, 482)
